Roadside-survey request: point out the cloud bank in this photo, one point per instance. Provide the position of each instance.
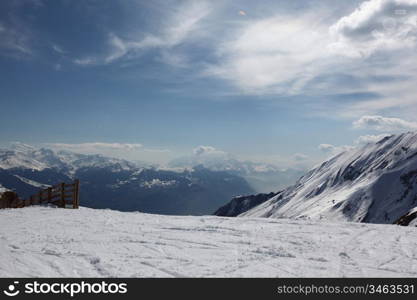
(381, 123)
(207, 150)
(96, 147)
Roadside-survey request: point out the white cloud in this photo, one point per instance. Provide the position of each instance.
(207, 150)
(242, 13)
(181, 27)
(384, 124)
(119, 48)
(326, 147)
(96, 147)
(281, 54)
(365, 139)
(333, 150)
(285, 52)
(129, 151)
(278, 53)
(372, 48)
(375, 26)
(15, 41)
(173, 59)
(156, 150)
(300, 157)
(85, 61)
(58, 49)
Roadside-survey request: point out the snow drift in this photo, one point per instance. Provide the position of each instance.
(51, 242)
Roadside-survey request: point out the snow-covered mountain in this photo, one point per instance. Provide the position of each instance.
(119, 184)
(195, 191)
(51, 242)
(24, 156)
(263, 177)
(376, 183)
(223, 162)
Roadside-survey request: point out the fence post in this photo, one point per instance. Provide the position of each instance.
(63, 194)
(49, 195)
(74, 194)
(75, 202)
(40, 196)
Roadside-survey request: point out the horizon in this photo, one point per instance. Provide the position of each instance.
(112, 151)
(288, 84)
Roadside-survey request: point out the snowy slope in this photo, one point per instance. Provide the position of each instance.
(15, 159)
(376, 183)
(32, 182)
(49, 242)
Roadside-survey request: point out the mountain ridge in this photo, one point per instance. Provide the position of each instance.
(263, 177)
(376, 183)
(119, 184)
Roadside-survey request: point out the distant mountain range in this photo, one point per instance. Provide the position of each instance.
(262, 177)
(119, 184)
(376, 183)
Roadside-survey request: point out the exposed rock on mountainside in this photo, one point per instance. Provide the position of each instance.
(409, 219)
(241, 204)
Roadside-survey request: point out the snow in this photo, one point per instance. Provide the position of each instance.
(157, 183)
(17, 159)
(32, 182)
(27, 157)
(375, 183)
(220, 161)
(53, 242)
(262, 177)
(413, 223)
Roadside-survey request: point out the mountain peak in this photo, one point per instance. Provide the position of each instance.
(20, 155)
(375, 183)
(21, 147)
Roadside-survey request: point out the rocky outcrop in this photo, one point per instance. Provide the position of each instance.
(409, 219)
(241, 204)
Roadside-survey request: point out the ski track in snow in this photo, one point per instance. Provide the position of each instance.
(51, 242)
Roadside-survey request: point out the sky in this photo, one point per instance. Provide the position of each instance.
(284, 82)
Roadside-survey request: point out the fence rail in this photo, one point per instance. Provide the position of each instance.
(65, 195)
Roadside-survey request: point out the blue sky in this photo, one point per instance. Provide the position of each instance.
(286, 82)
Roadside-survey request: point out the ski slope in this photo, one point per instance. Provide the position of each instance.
(45, 241)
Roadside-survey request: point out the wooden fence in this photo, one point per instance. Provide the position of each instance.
(65, 195)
